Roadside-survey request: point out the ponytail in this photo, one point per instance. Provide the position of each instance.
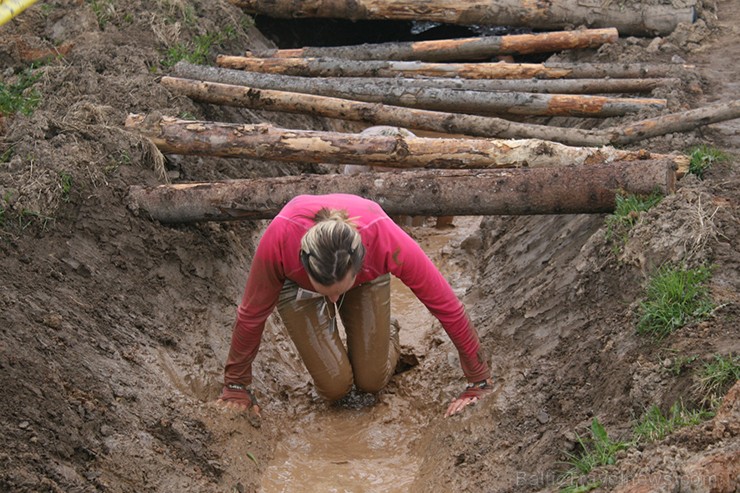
(332, 247)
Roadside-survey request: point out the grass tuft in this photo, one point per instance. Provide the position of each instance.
(20, 97)
(198, 51)
(718, 376)
(702, 158)
(626, 213)
(65, 185)
(653, 425)
(580, 488)
(674, 298)
(599, 450)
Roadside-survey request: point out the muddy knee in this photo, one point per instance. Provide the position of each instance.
(373, 380)
(334, 389)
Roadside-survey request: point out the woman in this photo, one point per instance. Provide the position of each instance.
(329, 255)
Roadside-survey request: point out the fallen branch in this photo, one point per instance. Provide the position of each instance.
(435, 121)
(481, 48)
(567, 190)
(647, 19)
(174, 136)
(450, 100)
(337, 67)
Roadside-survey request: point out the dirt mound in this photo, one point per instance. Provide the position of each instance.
(114, 329)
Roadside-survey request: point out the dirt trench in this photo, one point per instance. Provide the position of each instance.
(114, 329)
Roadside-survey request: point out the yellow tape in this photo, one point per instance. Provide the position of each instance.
(11, 8)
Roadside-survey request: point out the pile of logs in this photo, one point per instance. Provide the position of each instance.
(445, 86)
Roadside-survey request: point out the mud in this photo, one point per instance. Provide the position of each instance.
(114, 329)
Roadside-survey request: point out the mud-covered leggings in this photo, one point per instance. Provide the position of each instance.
(369, 359)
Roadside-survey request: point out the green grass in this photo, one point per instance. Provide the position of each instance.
(674, 298)
(103, 10)
(20, 97)
(7, 155)
(196, 52)
(680, 363)
(718, 376)
(626, 213)
(702, 158)
(599, 450)
(654, 425)
(65, 185)
(580, 488)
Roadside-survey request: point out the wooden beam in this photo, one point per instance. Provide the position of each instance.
(567, 190)
(546, 86)
(337, 67)
(644, 19)
(403, 150)
(450, 100)
(481, 48)
(451, 123)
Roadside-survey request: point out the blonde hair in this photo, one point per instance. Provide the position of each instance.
(332, 247)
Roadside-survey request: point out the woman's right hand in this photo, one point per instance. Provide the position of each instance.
(237, 396)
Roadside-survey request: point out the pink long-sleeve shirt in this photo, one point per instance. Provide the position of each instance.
(388, 249)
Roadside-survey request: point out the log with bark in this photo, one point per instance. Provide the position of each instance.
(480, 126)
(442, 50)
(450, 100)
(566, 190)
(337, 67)
(401, 150)
(546, 86)
(642, 20)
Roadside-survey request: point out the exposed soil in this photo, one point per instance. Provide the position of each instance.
(114, 329)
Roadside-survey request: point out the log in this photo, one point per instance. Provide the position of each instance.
(373, 113)
(647, 20)
(675, 122)
(546, 86)
(567, 190)
(399, 150)
(481, 48)
(450, 100)
(337, 67)
(435, 121)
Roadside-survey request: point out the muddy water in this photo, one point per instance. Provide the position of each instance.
(368, 446)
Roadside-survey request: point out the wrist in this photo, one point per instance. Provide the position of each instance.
(480, 385)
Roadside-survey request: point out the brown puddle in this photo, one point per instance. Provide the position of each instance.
(344, 450)
(368, 448)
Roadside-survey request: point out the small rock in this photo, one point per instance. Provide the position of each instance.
(654, 45)
(543, 417)
(23, 425)
(53, 321)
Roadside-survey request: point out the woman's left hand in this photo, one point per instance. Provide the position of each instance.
(472, 393)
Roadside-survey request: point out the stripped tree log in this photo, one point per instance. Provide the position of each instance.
(566, 190)
(450, 100)
(434, 121)
(337, 67)
(546, 86)
(481, 48)
(676, 122)
(646, 20)
(401, 150)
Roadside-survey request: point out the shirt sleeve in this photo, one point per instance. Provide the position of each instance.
(264, 283)
(408, 261)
